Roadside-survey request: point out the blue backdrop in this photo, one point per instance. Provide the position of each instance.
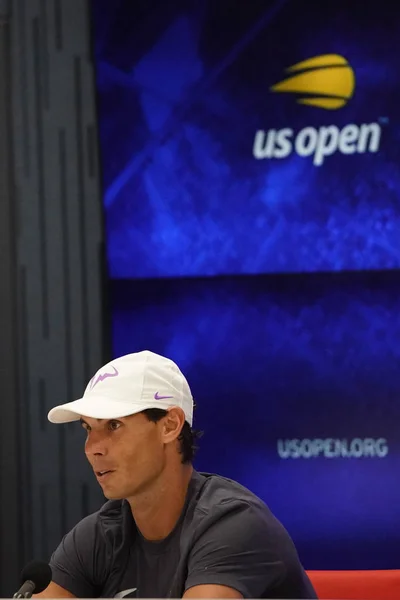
(184, 87)
(213, 184)
(286, 358)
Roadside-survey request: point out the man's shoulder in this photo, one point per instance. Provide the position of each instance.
(222, 491)
(220, 498)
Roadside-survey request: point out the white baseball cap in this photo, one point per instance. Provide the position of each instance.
(128, 385)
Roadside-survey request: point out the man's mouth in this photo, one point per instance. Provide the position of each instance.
(101, 474)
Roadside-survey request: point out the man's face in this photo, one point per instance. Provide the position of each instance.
(126, 454)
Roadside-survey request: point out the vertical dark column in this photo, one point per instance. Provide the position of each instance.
(11, 541)
(52, 280)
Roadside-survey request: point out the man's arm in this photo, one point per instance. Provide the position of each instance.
(54, 591)
(240, 554)
(211, 591)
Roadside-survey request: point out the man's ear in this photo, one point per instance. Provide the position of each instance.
(173, 423)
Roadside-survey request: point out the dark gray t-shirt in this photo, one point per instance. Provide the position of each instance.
(225, 535)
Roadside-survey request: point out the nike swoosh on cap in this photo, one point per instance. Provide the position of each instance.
(157, 397)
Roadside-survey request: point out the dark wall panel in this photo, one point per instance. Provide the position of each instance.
(59, 269)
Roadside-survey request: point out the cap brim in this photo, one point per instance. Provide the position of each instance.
(103, 408)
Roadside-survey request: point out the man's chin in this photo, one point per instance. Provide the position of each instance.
(112, 494)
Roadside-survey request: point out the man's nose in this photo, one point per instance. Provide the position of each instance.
(96, 444)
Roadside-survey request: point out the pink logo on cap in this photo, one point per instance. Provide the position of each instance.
(102, 377)
(157, 397)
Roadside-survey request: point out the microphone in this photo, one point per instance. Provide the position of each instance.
(35, 577)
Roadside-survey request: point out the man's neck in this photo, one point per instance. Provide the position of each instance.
(157, 511)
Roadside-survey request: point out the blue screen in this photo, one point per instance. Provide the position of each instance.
(275, 359)
(223, 155)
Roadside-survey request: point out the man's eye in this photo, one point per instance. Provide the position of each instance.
(114, 425)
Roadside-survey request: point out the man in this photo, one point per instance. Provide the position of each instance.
(167, 530)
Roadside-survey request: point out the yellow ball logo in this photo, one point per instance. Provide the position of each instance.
(325, 81)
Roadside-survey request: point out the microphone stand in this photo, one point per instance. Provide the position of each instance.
(26, 590)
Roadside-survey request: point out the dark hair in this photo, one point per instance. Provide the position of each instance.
(187, 436)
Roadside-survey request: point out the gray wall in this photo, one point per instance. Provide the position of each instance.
(10, 517)
(53, 269)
